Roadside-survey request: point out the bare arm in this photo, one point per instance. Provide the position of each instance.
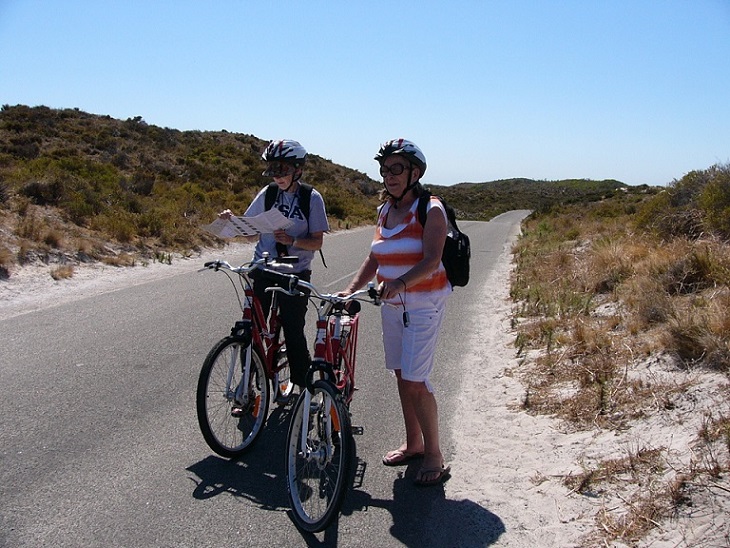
(311, 242)
(366, 273)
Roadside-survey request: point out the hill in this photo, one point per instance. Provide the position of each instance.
(79, 186)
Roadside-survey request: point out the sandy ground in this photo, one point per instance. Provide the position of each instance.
(32, 287)
(508, 464)
(513, 464)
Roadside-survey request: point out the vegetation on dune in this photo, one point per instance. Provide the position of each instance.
(76, 186)
(72, 182)
(601, 290)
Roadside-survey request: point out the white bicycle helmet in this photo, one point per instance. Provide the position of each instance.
(283, 151)
(404, 148)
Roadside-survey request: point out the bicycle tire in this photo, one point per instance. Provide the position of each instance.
(231, 436)
(318, 479)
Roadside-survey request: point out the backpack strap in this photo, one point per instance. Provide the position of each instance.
(305, 196)
(272, 191)
(422, 206)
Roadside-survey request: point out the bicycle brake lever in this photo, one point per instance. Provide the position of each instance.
(373, 294)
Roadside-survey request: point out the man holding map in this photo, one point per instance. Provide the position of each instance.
(302, 223)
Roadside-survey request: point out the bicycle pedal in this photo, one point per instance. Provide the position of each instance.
(357, 430)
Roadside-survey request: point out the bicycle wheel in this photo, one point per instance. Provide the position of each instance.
(232, 410)
(318, 458)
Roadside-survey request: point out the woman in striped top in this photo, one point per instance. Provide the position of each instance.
(405, 258)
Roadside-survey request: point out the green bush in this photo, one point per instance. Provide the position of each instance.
(714, 201)
(696, 205)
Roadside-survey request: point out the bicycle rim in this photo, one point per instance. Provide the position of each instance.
(318, 469)
(222, 388)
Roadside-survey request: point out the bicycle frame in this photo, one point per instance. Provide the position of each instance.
(335, 348)
(265, 335)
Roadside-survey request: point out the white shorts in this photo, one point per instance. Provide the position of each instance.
(411, 349)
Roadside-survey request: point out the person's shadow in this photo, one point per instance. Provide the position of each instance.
(422, 516)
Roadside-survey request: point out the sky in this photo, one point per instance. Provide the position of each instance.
(633, 90)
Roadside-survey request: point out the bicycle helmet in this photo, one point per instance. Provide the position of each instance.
(404, 148)
(283, 151)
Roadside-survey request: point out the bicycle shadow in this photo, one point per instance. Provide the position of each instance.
(421, 516)
(257, 477)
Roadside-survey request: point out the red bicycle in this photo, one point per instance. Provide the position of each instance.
(242, 370)
(320, 450)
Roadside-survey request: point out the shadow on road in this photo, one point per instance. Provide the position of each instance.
(423, 516)
(420, 516)
(258, 476)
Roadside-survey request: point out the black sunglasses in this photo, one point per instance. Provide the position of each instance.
(278, 169)
(395, 169)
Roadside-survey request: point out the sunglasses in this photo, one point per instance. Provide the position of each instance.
(395, 169)
(278, 169)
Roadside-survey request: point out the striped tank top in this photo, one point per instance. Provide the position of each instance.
(399, 248)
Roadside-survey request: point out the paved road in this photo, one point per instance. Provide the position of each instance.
(99, 443)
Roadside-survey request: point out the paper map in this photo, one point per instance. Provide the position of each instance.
(266, 222)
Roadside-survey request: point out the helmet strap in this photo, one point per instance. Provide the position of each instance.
(297, 174)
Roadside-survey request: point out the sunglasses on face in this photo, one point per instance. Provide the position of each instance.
(395, 169)
(278, 169)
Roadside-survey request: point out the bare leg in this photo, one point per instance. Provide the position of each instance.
(420, 413)
(414, 435)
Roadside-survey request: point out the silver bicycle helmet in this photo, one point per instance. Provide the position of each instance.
(404, 148)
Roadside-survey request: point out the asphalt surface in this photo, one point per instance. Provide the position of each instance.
(99, 443)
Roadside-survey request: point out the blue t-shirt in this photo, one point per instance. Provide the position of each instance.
(288, 204)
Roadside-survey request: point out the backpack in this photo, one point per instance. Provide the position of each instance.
(305, 195)
(457, 249)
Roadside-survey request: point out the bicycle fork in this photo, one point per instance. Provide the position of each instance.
(242, 392)
(321, 448)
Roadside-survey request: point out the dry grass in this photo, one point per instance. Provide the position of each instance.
(123, 259)
(62, 272)
(592, 302)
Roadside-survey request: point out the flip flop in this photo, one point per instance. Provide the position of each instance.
(444, 472)
(399, 457)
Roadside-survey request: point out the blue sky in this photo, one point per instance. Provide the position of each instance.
(632, 90)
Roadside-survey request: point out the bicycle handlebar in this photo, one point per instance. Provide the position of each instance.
(370, 292)
(291, 282)
(265, 264)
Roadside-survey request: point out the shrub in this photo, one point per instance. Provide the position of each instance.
(62, 272)
(714, 201)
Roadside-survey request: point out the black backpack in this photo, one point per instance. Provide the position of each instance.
(305, 195)
(457, 249)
